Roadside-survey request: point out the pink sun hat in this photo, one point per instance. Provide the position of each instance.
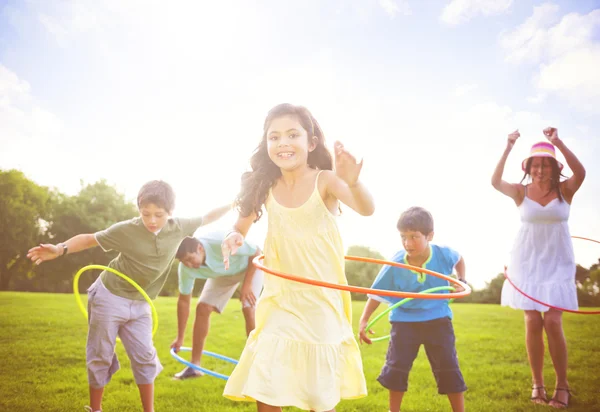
(542, 149)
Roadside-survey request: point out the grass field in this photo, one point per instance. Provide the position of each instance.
(42, 353)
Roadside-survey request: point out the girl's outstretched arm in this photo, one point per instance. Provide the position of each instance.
(509, 189)
(344, 184)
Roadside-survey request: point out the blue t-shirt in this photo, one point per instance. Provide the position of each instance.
(213, 266)
(441, 260)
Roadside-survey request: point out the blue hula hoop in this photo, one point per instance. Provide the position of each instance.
(199, 368)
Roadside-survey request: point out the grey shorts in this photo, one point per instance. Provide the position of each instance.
(131, 320)
(218, 291)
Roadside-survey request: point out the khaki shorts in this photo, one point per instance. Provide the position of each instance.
(218, 291)
(131, 320)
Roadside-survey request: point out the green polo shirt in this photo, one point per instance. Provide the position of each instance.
(144, 257)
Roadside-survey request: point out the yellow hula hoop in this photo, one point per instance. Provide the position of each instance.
(122, 276)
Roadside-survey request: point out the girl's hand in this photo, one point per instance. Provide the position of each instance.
(512, 138)
(345, 164)
(43, 253)
(230, 245)
(551, 134)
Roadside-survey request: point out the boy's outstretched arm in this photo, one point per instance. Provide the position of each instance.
(370, 307)
(215, 214)
(47, 251)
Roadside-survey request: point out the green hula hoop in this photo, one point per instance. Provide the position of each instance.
(395, 305)
(122, 276)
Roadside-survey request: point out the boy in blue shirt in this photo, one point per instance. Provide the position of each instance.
(420, 321)
(200, 258)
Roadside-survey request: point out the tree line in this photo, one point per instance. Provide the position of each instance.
(31, 214)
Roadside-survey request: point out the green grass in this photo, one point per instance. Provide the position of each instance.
(42, 350)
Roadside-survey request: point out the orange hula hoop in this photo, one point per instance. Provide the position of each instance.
(379, 292)
(578, 312)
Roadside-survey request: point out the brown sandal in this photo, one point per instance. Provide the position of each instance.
(540, 390)
(562, 405)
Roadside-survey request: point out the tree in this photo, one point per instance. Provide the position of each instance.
(581, 274)
(489, 294)
(23, 209)
(96, 207)
(588, 285)
(492, 292)
(362, 273)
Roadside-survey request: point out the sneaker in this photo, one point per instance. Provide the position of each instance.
(89, 409)
(188, 373)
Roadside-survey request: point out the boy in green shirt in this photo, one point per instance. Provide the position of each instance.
(147, 245)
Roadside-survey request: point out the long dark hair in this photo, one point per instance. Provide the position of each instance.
(554, 178)
(257, 182)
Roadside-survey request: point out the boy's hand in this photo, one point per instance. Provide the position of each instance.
(230, 245)
(177, 344)
(43, 253)
(362, 333)
(246, 295)
(346, 166)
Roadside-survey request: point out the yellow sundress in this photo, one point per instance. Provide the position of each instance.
(302, 352)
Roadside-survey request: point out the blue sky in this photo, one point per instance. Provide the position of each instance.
(425, 91)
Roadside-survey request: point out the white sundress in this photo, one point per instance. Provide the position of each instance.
(542, 262)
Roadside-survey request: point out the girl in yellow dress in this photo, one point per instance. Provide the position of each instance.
(302, 352)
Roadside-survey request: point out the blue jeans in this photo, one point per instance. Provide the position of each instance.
(437, 336)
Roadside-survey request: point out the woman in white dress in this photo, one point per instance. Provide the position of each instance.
(542, 264)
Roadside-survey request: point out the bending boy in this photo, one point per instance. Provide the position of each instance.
(201, 258)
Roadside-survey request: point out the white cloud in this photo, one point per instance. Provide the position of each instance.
(537, 99)
(566, 50)
(26, 128)
(56, 29)
(393, 7)
(574, 31)
(464, 89)
(70, 20)
(461, 11)
(489, 121)
(11, 86)
(545, 35)
(584, 129)
(574, 77)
